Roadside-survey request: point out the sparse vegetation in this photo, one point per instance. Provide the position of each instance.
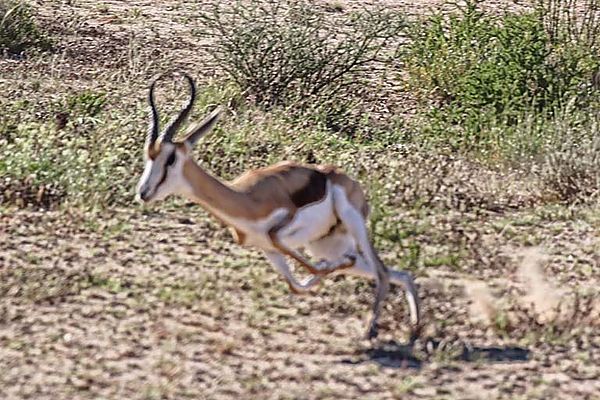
(18, 29)
(472, 144)
(499, 99)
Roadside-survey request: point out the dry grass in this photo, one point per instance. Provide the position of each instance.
(158, 303)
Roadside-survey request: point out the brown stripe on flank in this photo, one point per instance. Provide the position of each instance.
(313, 191)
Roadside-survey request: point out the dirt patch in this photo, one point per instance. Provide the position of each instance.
(164, 305)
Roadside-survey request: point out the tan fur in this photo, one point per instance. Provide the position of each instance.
(257, 193)
(217, 195)
(153, 150)
(277, 182)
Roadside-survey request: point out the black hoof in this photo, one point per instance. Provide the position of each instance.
(373, 332)
(415, 333)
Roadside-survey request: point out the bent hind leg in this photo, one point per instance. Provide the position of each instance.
(401, 278)
(340, 244)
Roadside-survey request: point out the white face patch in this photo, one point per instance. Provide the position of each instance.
(161, 175)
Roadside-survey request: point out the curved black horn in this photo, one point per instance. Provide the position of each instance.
(174, 125)
(153, 131)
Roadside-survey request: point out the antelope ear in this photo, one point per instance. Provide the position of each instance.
(201, 129)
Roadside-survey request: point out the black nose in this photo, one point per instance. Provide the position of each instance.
(144, 194)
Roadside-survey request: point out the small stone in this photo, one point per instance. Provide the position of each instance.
(558, 377)
(425, 391)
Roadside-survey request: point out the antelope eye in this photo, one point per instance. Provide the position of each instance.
(170, 160)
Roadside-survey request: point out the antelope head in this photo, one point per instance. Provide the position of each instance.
(164, 157)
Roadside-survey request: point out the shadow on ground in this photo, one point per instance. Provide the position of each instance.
(397, 355)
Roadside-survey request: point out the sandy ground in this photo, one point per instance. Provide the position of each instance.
(164, 305)
(161, 304)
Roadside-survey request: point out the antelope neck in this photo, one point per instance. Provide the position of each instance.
(218, 197)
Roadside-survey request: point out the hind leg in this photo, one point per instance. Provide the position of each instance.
(400, 278)
(340, 244)
(355, 223)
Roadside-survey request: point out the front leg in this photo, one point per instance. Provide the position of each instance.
(322, 268)
(278, 260)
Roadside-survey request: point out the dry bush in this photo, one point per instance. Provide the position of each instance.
(572, 171)
(296, 55)
(453, 182)
(572, 21)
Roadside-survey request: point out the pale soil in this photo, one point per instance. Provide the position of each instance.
(161, 304)
(164, 305)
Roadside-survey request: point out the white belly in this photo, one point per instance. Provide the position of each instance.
(333, 247)
(310, 222)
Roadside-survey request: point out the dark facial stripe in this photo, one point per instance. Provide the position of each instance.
(170, 161)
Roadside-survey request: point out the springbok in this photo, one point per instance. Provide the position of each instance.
(282, 209)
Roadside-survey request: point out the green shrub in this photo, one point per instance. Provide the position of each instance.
(295, 55)
(18, 30)
(476, 71)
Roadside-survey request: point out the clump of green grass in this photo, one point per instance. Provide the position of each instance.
(483, 76)
(53, 168)
(18, 29)
(86, 159)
